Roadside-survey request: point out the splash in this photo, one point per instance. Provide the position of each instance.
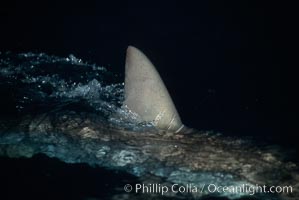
(41, 82)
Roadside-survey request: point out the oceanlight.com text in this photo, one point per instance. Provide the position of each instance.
(247, 189)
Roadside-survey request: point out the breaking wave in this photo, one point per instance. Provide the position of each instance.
(43, 83)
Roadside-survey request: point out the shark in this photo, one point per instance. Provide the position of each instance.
(170, 159)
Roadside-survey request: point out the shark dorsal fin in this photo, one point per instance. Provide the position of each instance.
(146, 94)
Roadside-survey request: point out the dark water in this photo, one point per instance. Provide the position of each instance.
(38, 83)
(41, 80)
(46, 178)
(42, 177)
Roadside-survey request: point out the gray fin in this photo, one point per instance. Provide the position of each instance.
(146, 94)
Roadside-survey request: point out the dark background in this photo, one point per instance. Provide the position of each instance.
(224, 62)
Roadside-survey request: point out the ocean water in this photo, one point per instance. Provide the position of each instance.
(32, 84)
(36, 83)
(45, 81)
